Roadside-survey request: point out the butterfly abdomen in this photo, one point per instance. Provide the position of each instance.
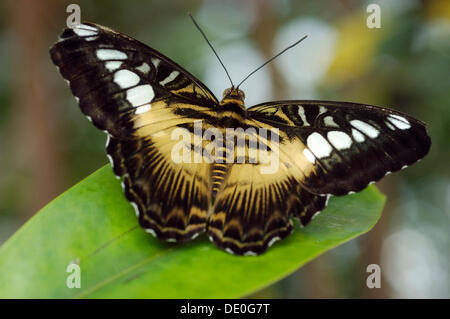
(219, 173)
(231, 114)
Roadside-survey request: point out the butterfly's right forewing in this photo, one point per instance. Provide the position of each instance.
(347, 145)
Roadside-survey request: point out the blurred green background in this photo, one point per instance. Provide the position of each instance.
(47, 145)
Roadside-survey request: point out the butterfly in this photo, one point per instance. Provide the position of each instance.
(184, 175)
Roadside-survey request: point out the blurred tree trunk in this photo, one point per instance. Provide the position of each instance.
(264, 32)
(36, 135)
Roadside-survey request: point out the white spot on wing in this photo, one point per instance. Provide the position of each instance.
(398, 117)
(388, 124)
(87, 27)
(328, 198)
(318, 145)
(322, 110)
(367, 129)
(156, 62)
(273, 240)
(301, 113)
(339, 139)
(136, 209)
(110, 54)
(144, 68)
(315, 215)
(329, 121)
(150, 231)
(170, 78)
(309, 156)
(143, 108)
(84, 32)
(358, 136)
(110, 160)
(250, 253)
(140, 95)
(399, 121)
(108, 138)
(195, 235)
(228, 250)
(126, 78)
(113, 65)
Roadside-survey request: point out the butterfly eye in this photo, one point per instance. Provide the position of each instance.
(226, 92)
(241, 94)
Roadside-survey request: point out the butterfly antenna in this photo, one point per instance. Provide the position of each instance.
(209, 43)
(271, 59)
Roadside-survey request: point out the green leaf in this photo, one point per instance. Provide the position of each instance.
(93, 225)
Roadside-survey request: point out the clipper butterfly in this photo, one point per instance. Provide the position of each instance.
(142, 99)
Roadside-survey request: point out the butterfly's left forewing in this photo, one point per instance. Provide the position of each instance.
(116, 77)
(346, 145)
(142, 99)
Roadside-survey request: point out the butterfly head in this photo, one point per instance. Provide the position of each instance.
(234, 94)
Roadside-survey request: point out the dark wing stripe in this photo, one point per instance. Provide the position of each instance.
(307, 205)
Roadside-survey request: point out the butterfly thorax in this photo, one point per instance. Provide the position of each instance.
(231, 109)
(231, 114)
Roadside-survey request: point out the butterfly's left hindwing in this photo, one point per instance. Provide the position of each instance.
(140, 98)
(346, 145)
